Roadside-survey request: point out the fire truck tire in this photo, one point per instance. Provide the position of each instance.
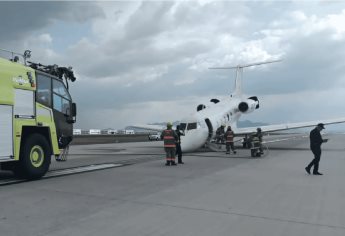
(35, 157)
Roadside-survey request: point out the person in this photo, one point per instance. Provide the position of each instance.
(220, 134)
(315, 146)
(229, 140)
(178, 145)
(169, 137)
(257, 138)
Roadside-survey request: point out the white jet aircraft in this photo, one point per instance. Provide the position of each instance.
(200, 127)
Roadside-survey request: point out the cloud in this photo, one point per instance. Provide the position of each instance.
(142, 57)
(25, 18)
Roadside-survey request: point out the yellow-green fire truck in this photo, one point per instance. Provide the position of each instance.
(36, 115)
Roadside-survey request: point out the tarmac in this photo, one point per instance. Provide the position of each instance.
(211, 194)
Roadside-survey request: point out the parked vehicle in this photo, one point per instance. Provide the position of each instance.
(156, 136)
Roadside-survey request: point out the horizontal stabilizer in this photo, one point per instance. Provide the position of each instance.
(288, 126)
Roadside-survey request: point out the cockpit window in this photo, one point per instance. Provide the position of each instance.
(183, 126)
(191, 126)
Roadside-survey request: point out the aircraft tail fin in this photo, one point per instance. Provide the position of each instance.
(238, 82)
(239, 73)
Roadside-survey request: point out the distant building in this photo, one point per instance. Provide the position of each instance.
(127, 131)
(76, 131)
(94, 131)
(109, 131)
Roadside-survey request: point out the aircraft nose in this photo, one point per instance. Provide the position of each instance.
(193, 140)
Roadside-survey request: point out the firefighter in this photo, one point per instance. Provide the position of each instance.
(229, 140)
(220, 134)
(259, 136)
(170, 138)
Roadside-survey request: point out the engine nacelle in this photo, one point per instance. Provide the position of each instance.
(243, 107)
(249, 105)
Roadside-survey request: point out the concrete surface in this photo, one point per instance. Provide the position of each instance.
(211, 194)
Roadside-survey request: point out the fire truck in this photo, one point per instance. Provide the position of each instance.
(36, 115)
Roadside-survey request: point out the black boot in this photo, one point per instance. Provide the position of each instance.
(167, 163)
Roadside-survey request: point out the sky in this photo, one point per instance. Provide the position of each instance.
(140, 62)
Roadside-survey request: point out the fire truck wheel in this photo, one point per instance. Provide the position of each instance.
(34, 157)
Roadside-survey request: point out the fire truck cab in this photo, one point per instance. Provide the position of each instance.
(36, 116)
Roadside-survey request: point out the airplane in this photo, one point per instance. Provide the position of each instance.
(200, 127)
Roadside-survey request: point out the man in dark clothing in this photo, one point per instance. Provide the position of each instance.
(178, 145)
(315, 146)
(220, 134)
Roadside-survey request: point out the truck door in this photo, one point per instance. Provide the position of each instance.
(6, 132)
(62, 103)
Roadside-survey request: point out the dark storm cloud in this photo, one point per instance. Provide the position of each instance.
(23, 18)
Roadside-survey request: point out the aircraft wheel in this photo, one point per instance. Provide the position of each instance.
(35, 157)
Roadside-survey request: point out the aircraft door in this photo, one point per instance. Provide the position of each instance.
(210, 129)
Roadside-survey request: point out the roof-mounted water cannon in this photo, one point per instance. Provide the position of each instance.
(26, 55)
(61, 72)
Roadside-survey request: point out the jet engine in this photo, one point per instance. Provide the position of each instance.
(200, 107)
(243, 107)
(255, 98)
(249, 105)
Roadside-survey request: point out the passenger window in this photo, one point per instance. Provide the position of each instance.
(43, 92)
(61, 98)
(191, 126)
(183, 126)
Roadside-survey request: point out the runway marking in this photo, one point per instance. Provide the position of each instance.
(63, 172)
(82, 169)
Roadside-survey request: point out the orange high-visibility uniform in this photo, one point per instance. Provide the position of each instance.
(169, 137)
(229, 140)
(229, 136)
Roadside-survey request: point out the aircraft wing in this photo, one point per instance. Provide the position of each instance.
(287, 126)
(158, 128)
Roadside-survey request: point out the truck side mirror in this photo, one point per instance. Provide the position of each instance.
(74, 110)
(73, 114)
